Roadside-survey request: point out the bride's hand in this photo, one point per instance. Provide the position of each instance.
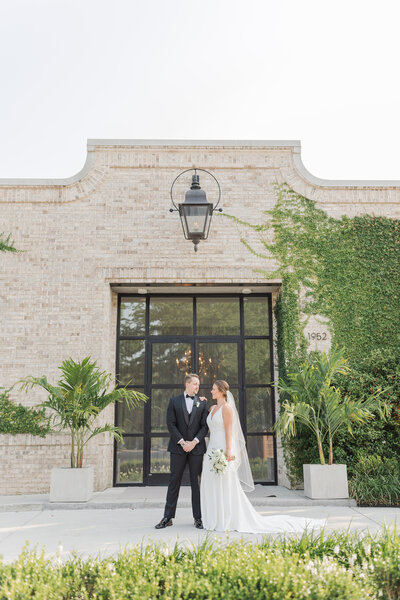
(229, 456)
(203, 398)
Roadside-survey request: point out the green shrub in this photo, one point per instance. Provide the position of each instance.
(316, 567)
(321, 567)
(16, 418)
(381, 369)
(376, 481)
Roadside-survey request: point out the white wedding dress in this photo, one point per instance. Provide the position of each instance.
(225, 506)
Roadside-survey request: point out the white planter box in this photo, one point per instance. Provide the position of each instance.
(325, 481)
(71, 485)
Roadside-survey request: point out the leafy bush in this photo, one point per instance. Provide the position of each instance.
(381, 369)
(317, 567)
(312, 399)
(320, 567)
(16, 418)
(376, 481)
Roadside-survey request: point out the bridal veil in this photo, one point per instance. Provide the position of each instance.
(241, 462)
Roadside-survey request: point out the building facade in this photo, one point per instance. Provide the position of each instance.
(106, 273)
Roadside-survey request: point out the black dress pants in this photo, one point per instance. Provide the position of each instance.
(178, 464)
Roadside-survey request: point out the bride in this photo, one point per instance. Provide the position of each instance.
(224, 505)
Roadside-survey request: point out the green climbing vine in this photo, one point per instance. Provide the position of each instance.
(16, 418)
(347, 272)
(6, 244)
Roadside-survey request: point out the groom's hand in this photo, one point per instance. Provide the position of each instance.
(188, 447)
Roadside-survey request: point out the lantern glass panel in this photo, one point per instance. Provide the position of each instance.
(196, 218)
(207, 222)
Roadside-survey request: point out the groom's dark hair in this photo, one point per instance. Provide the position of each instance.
(189, 377)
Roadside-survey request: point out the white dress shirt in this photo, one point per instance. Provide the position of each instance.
(189, 405)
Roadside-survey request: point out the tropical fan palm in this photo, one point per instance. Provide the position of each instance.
(78, 399)
(313, 401)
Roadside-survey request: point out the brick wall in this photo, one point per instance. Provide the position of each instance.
(110, 224)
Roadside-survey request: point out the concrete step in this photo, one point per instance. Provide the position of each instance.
(154, 497)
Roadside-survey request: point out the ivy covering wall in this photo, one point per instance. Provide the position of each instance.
(16, 418)
(348, 269)
(346, 272)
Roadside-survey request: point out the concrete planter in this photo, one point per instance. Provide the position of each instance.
(325, 481)
(71, 485)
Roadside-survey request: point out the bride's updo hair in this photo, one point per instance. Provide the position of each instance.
(222, 386)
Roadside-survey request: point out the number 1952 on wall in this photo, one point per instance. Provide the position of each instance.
(317, 335)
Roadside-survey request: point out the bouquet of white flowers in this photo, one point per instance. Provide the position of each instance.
(219, 461)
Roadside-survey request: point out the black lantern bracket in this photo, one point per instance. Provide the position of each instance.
(195, 212)
(176, 209)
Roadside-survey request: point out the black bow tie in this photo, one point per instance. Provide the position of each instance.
(191, 397)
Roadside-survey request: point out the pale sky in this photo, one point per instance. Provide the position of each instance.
(323, 72)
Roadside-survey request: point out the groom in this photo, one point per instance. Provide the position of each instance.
(186, 421)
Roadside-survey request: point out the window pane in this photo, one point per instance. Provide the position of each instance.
(259, 409)
(218, 361)
(218, 316)
(131, 420)
(171, 362)
(131, 362)
(256, 317)
(159, 405)
(159, 457)
(132, 316)
(130, 461)
(169, 316)
(261, 456)
(257, 361)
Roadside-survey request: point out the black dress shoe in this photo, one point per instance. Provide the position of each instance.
(165, 522)
(198, 523)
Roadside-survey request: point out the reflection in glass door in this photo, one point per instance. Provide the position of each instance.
(160, 339)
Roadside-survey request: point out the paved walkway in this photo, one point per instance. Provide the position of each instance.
(119, 517)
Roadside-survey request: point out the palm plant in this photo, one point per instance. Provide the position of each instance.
(312, 400)
(78, 399)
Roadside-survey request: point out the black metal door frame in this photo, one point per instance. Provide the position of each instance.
(241, 387)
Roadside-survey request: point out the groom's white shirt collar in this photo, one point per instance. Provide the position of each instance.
(187, 400)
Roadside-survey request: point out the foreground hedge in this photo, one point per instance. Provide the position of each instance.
(313, 567)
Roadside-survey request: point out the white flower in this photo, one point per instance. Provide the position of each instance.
(352, 559)
(367, 549)
(336, 549)
(218, 459)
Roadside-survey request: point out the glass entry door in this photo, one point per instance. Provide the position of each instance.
(162, 338)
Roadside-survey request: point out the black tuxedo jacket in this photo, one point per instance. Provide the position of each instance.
(181, 425)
